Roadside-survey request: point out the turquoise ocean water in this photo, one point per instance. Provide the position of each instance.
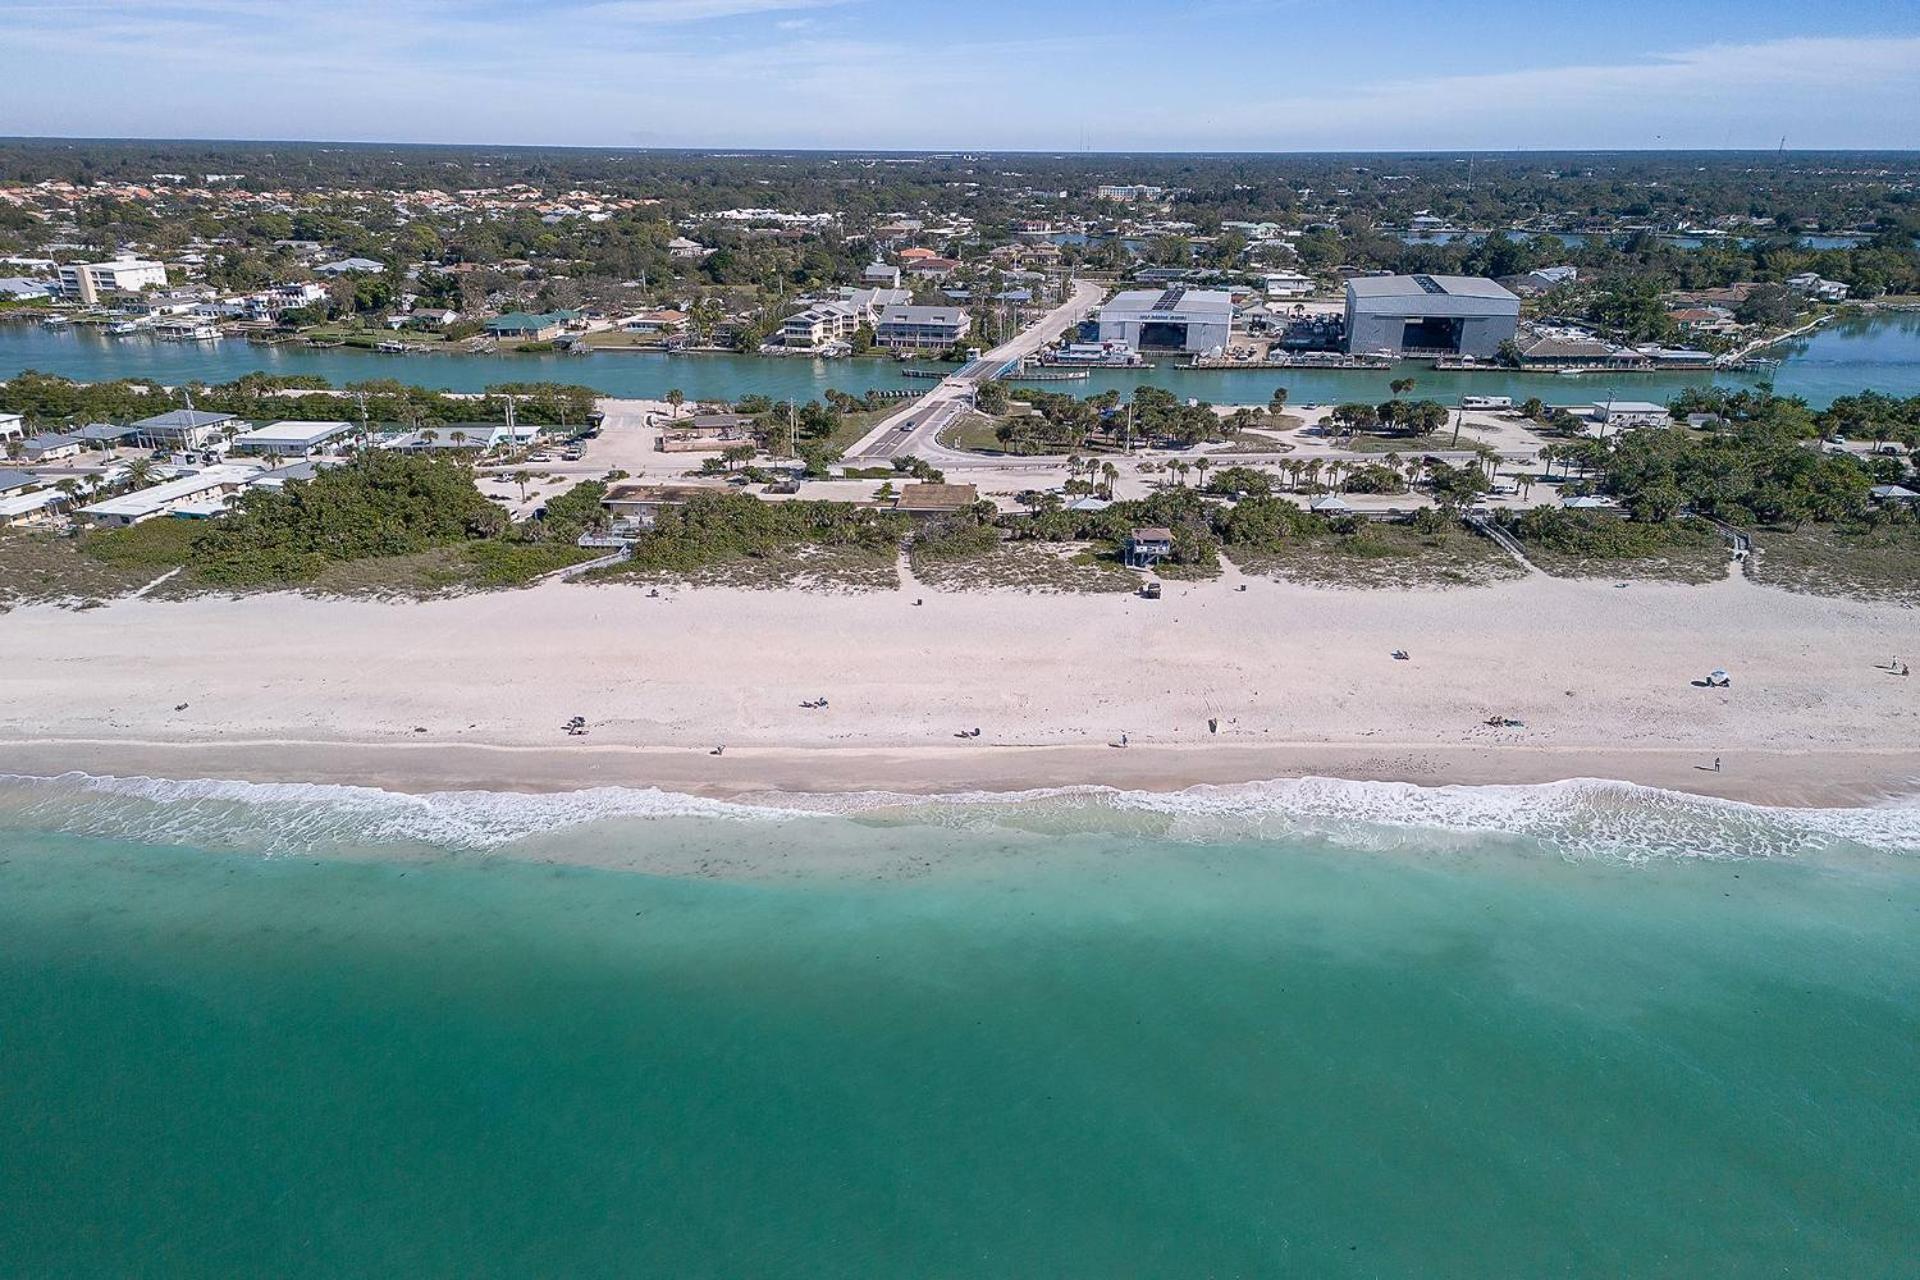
(1315, 1029)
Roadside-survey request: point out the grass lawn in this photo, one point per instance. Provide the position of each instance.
(1384, 555)
(854, 425)
(369, 337)
(1867, 564)
(974, 433)
(616, 339)
(1045, 567)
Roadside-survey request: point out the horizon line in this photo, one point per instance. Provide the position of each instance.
(935, 151)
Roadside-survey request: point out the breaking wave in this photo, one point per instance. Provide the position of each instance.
(1581, 818)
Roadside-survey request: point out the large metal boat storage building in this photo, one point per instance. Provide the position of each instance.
(1429, 315)
(1174, 320)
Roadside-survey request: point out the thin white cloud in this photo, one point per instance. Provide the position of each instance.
(797, 73)
(1694, 93)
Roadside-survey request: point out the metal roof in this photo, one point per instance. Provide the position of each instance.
(1215, 305)
(184, 418)
(306, 433)
(1428, 286)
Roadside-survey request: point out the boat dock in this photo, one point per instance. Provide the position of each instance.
(1331, 362)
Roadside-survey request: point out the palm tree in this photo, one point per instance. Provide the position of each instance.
(1180, 467)
(1400, 387)
(1393, 461)
(1201, 464)
(1074, 463)
(458, 437)
(522, 479)
(69, 488)
(139, 472)
(676, 398)
(1109, 473)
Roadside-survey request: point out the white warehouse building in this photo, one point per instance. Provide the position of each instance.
(1175, 320)
(1429, 315)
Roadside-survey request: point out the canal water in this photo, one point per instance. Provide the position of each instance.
(1881, 352)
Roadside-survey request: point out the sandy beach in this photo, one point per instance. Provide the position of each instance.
(1300, 681)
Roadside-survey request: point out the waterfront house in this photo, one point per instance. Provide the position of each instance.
(1810, 284)
(522, 326)
(640, 504)
(12, 427)
(821, 324)
(921, 328)
(1148, 546)
(664, 321)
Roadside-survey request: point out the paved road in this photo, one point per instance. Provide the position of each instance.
(953, 395)
(922, 429)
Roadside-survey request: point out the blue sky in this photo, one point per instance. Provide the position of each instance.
(1262, 75)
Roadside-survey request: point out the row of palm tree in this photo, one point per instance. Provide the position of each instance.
(1100, 474)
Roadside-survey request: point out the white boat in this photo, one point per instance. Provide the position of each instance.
(1108, 355)
(55, 321)
(124, 327)
(186, 330)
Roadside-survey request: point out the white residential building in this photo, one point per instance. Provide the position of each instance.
(87, 281)
(292, 439)
(1622, 415)
(1289, 284)
(196, 490)
(183, 428)
(12, 427)
(1813, 286)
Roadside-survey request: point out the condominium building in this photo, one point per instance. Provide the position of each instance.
(921, 327)
(87, 281)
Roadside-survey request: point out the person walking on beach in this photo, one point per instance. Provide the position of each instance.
(1716, 764)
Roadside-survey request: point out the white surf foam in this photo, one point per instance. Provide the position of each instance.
(1577, 818)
